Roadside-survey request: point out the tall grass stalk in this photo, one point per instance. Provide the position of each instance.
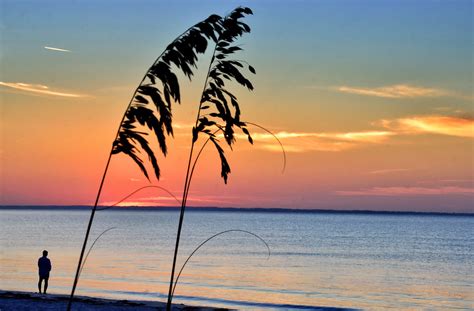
(127, 141)
(182, 53)
(214, 93)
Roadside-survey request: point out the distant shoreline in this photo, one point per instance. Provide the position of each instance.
(231, 209)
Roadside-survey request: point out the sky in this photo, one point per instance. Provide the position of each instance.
(372, 100)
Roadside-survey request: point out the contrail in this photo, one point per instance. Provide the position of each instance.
(56, 49)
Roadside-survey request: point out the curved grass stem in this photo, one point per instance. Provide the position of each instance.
(279, 142)
(210, 238)
(92, 246)
(138, 190)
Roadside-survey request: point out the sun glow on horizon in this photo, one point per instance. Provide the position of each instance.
(379, 121)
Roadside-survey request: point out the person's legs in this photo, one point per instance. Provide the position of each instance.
(39, 284)
(45, 284)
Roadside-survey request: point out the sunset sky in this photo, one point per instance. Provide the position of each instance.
(373, 101)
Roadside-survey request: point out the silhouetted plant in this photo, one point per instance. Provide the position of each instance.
(182, 53)
(151, 106)
(215, 95)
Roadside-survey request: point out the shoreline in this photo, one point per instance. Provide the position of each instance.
(26, 301)
(18, 301)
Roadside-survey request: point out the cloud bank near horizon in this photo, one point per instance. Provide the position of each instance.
(407, 191)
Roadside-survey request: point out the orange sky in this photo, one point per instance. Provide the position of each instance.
(368, 121)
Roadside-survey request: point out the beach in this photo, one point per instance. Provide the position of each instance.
(15, 300)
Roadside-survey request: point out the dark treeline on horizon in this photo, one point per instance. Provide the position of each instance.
(229, 209)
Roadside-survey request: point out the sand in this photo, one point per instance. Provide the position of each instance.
(22, 301)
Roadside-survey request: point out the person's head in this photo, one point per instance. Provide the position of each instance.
(45, 253)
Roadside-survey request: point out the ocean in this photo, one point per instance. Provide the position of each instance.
(350, 260)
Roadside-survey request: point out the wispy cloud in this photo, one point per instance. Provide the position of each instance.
(389, 171)
(137, 203)
(327, 141)
(37, 89)
(456, 181)
(342, 141)
(56, 49)
(407, 191)
(314, 141)
(186, 126)
(448, 182)
(370, 136)
(396, 91)
(201, 199)
(309, 141)
(444, 125)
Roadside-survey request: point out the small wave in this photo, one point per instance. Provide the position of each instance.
(237, 303)
(261, 304)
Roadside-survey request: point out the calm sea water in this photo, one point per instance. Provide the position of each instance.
(365, 261)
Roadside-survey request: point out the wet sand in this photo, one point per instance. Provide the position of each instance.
(20, 301)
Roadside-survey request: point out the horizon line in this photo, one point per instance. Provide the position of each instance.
(249, 209)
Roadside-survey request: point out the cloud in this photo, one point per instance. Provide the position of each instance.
(389, 171)
(137, 203)
(407, 191)
(443, 125)
(457, 181)
(56, 49)
(202, 199)
(186, 126)
(341, 141)
(395, 91)
(37, 89)
(448, 182)
(327, 141)
(308, 141)
(367, 136)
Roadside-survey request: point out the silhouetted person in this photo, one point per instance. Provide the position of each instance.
(44, 266)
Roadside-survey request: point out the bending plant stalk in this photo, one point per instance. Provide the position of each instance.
(149, 110)
(214, 93)
(182, 53)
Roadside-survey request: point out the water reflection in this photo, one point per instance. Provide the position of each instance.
(317, 259)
